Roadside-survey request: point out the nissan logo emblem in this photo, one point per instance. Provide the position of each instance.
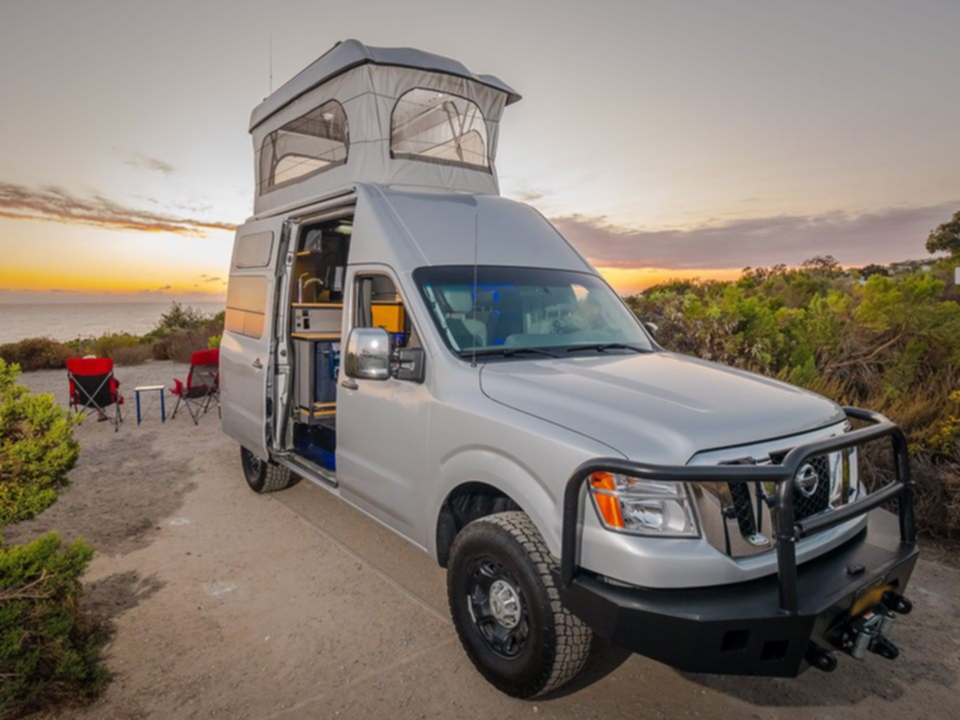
(807, 480)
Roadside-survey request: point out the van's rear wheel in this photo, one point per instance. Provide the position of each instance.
(507, 610)
(264, 476)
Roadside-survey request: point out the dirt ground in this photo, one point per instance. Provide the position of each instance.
(223, 603)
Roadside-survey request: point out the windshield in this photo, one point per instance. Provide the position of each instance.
(508, 309)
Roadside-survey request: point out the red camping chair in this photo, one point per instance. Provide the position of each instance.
(202, 387)
(93, 386)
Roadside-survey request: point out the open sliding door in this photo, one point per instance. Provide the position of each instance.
(247, 346)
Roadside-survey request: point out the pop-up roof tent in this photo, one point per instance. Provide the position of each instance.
(395, 116)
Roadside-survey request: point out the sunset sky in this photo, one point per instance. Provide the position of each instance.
(664, 139)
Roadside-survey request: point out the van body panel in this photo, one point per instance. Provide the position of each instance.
(246, 366)
(451, 229)
(659, 407)
(472, 439)
(382, 433)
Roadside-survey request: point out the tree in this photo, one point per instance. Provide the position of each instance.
(946, 238)
(872, 269)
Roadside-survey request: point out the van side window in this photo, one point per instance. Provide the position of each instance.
(306, 146)
(246, 305)
(439, 127)
(254, 251)
(380, 305)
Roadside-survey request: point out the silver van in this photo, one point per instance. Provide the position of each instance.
(443, 360)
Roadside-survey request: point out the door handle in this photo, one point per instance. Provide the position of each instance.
(349, 384)
(257, 364)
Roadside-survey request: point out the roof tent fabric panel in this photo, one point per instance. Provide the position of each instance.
(352, 53)
(368, 94)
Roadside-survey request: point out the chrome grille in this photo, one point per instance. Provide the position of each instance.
(804, 505)
(740, 518)
(742, 508)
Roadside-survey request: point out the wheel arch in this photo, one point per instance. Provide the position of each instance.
(484, 482)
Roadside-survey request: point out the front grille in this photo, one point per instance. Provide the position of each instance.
(743, 508)
(805, 506)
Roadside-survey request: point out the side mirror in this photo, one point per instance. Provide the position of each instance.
(652, 328)
(368, 354)
(409, 364)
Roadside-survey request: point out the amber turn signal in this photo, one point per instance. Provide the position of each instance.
(608, 505)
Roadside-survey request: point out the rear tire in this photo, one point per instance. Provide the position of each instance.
(264, 476)
(507, 609)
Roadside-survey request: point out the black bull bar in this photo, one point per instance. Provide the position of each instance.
(581, 590)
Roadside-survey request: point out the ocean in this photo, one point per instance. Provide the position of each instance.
(67, 321)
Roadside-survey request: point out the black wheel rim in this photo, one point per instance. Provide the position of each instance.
(252, 463)
(497, 608)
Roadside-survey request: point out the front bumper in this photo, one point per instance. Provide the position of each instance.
(777, 625)
(741, 629)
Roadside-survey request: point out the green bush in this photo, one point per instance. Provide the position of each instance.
(36, 354)
(214, 342)
(179, 317)
(49, 651)
(136, 355)
(889, 341)
(179, 346)
(108, 344)
(37, 449)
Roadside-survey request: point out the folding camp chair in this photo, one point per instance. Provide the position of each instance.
(202, 387)
(94, 387)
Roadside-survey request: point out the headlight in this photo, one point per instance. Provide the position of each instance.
(643, 507)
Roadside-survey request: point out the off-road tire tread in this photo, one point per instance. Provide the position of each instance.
(573, 636)
(277, 477)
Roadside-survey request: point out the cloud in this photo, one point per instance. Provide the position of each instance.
(50, 204)
(883, 236)
(528, 196)
(153, 164)
(212, 279)
(165, 287)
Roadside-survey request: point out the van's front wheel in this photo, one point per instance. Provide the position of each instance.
(264, 476)
(507, 610)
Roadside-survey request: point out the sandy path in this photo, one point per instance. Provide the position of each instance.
(227, 604)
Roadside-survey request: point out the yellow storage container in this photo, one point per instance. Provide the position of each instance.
(389, 316)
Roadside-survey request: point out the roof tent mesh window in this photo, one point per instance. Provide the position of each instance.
(308, 145)
(439, 127)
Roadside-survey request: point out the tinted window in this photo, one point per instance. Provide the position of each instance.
(254, 250)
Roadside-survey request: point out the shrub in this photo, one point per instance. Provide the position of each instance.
(108, 344)
(889, 342)
(49, 651)
(180, 346)
(36, 354)
(214, 342)
(182, 318)
(37, 449)
(135, 355)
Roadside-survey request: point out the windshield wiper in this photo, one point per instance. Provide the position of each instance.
(601, 347)
(511, 352)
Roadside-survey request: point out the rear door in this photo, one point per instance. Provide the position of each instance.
(247, 345)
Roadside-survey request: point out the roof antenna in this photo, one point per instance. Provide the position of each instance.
(271, 63)
(476, 245)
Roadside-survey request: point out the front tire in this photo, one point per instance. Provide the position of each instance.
(507, 609)
(264, 476)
